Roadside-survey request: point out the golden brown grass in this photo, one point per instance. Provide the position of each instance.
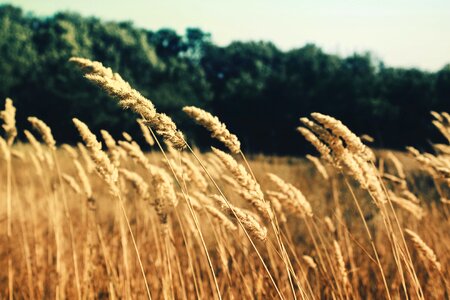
(91, 222)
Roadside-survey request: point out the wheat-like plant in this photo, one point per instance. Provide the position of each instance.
(103, 164)
(218, 129)
(424, 249)
(201, 226)
(44, 131)
(9, 121)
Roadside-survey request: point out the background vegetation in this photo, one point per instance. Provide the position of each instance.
(256, 88)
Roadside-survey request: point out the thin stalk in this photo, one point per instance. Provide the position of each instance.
(141, 266)
(191, 265)
(276, 230)
(169, 267)
(240, 223)
(108, 265)
(297, 260)
(186, 192)
(316, 245)
(9, 225)
(412, 270)
(191, 210)
(366, 227)
(26, 245)
(69, 221)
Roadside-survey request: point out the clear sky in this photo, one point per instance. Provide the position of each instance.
(406, 33)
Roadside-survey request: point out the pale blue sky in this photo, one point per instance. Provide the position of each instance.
(406, 33)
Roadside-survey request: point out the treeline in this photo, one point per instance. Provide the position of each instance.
(258, 90)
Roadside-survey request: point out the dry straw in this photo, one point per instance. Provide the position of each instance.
(36, 164)
(341, 263)
(116, 86)
(138, 183)
(347, 151)
(334, 143)
(196, 205)
(249, 222)
(113, 149)
(220, 217)
(218, 129)
(320, 147)
(250, 189)
(275, 199)
(352, 141)
(6, 153)
(17, 154)
(310, 262)
(44, 131)
(70, 150)
(84, 179)
(294, 198)
(132, 99)
(165, 197)
(90, 166)
(103, 164)
(165, 127)
(135, 152)
(397, 164)
(35, 144)
(415, 210)
(329, 223)
(9, 121)
(146, 132)
(195, 174)
(72, 183)
(319, 166)
(424, 249)
(127, 136)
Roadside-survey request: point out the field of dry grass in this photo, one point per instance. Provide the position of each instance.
(115, 222)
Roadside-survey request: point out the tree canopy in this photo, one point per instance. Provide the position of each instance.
(258, 90)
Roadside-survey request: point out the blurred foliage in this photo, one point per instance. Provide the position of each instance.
(258, 90)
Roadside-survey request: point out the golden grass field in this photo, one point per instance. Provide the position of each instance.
(115, 222)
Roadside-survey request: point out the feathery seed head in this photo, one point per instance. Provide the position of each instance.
(424, 249)
(165, 197)
(9, 121)
(44, 131)
(341, 263)
(132, 99)
(220, 217)
(103, 165)
(138, 183)
(146, 132)
(113, 150)
(248, 221)
(320, 147)
(165, 127)
(72, 183)
(35, 144)
(310, 262)
(218, 129)
(250, 189)
(70, 150)
(293, 196)
(352, 141)
(84, 179)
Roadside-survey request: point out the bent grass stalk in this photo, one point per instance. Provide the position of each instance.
(242, 226)
(191, 210)
(276, 230)
(223, 196)
(133, 240)
(372, 243)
